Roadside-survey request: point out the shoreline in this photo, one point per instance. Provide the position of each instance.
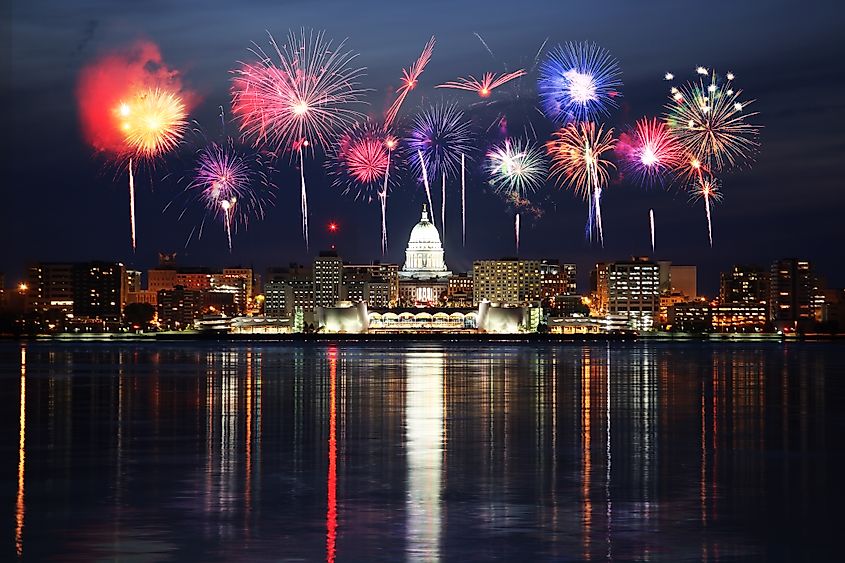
(437, 337)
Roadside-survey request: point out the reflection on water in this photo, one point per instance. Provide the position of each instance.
(425, 451)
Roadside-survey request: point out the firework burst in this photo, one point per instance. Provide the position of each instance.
(710, 120)
(649, 152)
(440, 136)
(231, 185)
(516, 167)
(297, 97)
(578, 160)
(578, 82)
(484, 87)
(360, 163)
(410, 76)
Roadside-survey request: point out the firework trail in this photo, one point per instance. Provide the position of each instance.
(649, 152)
(423, 167)
(707, 189)
(360, 163)
(489, 81)
(577, 152)
(578, 82)
(463, 201)
(410, 78)
(651, 225)
(516, 232)
(132, 108)
(709, 120)
(486, 46)
(297, 97)
(231, 185)
(440, 136)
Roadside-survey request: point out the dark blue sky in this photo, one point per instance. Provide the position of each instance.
(62, 203)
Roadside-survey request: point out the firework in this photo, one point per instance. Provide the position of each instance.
(486, 85)
(133, 108)
(649, 152)
(230, 184)
(440, 136)
(707, 188)
(516, 167)
(360, 163)
(410, 76)
(578, 82)
(578, 160)
(651, 227)
(296, 97)
(710, 120)
(152, 121)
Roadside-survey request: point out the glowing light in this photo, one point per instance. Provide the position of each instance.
(649, 152)
(668, 76)
(153, 122)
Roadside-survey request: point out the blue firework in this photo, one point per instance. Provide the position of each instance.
(579, 82)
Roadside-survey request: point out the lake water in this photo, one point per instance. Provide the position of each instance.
(422, 451)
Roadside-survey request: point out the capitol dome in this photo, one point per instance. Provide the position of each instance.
(424, 257)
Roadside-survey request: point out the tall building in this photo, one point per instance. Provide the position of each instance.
(633, 290)
(791, 292)
(557, 279)
(599, 289)
(231, 275)
(287, 290)
(51, 286)
(423, 279)
(328, 277)
(378, 272)
(178, 308)
(744, 284)
(99, 290)
(460, 290)
(509, 281)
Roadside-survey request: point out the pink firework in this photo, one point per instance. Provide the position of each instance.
(489, 81)
(361, 164)
(296, 97)
(410, 77)
(649, 152)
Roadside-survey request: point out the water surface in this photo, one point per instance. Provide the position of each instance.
(422, 451)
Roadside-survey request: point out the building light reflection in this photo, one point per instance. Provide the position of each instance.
(19, 505)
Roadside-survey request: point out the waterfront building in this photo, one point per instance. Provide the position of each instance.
(376, 283)
(557, 279)
(739, 317)
(508, 281)
(633, 291)
(423, 279)
(99, 291)
(50, 285)
(460, 290)
(792, 289)
(179, 307)
(744, 284)
(693, 316)
(328, 277)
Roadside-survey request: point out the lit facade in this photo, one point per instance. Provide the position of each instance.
(633, 290)
(508, 281)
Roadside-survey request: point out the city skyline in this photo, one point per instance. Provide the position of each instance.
(778, 208)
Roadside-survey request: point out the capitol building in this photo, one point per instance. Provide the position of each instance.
(424, 277)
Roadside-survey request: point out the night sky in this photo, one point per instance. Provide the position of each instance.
(62, 202)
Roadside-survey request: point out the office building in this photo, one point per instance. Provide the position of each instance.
(744, 284)
(508, 281)
(633, 291)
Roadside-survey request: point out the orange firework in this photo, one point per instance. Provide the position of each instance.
(152, 121)
(482, 87)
